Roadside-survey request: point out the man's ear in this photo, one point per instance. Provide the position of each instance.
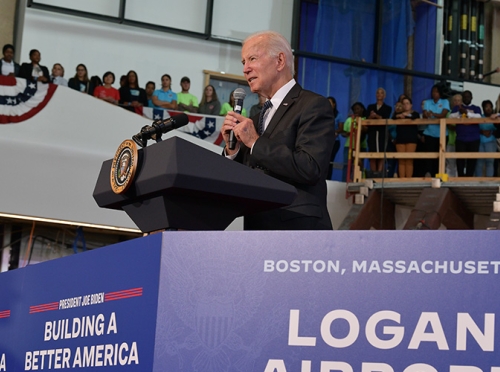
(281, 61)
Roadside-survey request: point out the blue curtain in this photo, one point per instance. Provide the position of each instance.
(346, 29)
(425, 50)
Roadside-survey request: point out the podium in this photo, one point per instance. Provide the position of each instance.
(179, 185)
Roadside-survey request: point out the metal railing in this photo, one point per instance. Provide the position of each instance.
(442, 155)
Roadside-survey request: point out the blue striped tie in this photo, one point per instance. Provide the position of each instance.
(267, 105)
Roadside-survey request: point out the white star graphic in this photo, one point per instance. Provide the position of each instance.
(10, 100)
(32, 86)
(157, 117)
(207, 133)
(211, 124)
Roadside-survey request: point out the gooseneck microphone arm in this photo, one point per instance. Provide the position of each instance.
(239, 95)
(159, 127)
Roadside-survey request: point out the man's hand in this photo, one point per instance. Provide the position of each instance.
(243, 128)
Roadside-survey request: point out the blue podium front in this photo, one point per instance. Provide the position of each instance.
(368, 301)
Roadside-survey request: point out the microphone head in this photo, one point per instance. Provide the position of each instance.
(239, 93)
(179, 121)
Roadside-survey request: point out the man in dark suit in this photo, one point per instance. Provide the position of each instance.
(296, 140)
(34, 71)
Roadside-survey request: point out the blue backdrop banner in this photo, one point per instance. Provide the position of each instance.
(369, 301)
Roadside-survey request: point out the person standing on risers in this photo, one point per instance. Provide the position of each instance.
(185, 100)
(164, 98)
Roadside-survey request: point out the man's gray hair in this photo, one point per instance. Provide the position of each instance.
(276, 44)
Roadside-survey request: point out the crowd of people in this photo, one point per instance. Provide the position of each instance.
(380, 138)
(420, 138)
(130, 95)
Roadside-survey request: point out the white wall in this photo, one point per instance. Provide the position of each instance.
(481, 92)
(102, 47)
(105, 46)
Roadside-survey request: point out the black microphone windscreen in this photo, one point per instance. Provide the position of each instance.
(180, 120)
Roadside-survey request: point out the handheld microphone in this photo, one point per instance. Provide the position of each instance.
(159, 127)
(239, 95)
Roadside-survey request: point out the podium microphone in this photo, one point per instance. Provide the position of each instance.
(239, 95)
(159, 127)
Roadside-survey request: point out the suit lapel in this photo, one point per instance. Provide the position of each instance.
(287, 102)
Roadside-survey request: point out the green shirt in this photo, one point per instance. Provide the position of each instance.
(187, 99)
(347, 128)
(226, 107)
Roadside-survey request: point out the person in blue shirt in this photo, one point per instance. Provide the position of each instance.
(434, 108)
(467, 134)
(150, 88)
(488, 142)
(164, 97)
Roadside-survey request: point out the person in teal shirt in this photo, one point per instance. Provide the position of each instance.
(164, 98)
(434, 108)
(487, 142)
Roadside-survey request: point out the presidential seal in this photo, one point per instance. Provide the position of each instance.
(124, 166)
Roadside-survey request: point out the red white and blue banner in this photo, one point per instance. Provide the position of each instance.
(204, 127)
(368, 301)
(21, 99)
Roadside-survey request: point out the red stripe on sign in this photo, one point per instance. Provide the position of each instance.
(4, 314)
(120, 295)
(8, 80)
(44, 307)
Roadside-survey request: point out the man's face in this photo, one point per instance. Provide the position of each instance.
(35, 57)
(8, 55)
(185, 85)
(435, 94)
(259, 68)
(357, 110)
(467, 98)
(457, 101)
(488, 109)
(150, 88)
(380, 95)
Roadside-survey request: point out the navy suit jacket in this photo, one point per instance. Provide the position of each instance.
(27, 70)
(295, 148)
